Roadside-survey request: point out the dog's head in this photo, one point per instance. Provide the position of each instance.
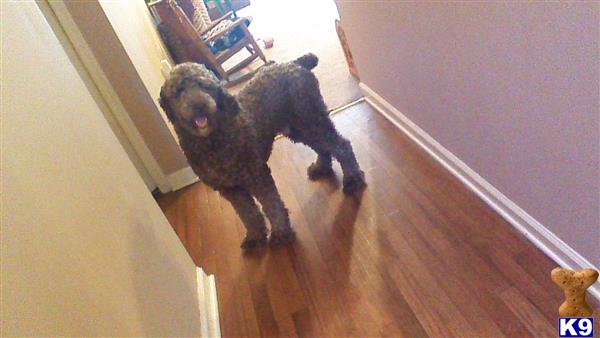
(194, 100)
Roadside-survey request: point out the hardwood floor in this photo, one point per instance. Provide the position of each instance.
(419, 255)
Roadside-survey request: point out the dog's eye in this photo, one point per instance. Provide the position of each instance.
(178, 91)
(203, 85)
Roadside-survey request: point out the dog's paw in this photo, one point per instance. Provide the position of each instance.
(255, 241)
(316, 172)
(354, 183)
(281, 237)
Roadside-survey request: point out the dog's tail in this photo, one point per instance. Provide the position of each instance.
(308, 61)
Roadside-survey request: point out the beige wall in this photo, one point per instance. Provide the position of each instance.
(131, 21)
(85, 249)
(128, 49)
(133, 24)
(512, 89)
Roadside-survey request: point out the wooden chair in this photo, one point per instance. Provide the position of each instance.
(195, 43)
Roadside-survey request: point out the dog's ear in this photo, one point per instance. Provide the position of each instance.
(227, 103)
(164, 103)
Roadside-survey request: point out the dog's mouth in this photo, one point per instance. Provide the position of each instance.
(200, 121)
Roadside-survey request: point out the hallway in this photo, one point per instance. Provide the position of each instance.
(419, 255)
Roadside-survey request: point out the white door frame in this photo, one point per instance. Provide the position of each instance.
(90, 70)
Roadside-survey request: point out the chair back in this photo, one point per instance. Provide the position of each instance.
(200, 18)
(184, 21)
(193, 47)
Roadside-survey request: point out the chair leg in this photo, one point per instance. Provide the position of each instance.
(259, 51)
(221, 72)
(255, 45)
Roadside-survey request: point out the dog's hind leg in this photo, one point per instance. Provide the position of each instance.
(312, 126)
(321, 167)
(325, 139)
(249, 213)
(354, 178)
(266, 193)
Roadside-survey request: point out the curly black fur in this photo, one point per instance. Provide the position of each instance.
(228, 140)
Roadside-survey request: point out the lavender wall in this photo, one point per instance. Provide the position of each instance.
(511, 89)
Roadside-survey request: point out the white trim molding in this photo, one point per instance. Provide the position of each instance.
(91, 71)
(534, 231)
(209, 308)
(182, 178)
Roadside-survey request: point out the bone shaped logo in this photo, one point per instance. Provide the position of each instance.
(574, 284)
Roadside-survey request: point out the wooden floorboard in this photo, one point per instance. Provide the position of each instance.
(418, 255)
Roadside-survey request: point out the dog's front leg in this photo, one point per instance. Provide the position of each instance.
(265, 191)
(249, 213)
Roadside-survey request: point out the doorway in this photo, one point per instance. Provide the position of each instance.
(297, 28)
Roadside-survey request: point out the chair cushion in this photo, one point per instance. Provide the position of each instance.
(222, 26)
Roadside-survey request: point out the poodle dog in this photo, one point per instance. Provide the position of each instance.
(228, 139)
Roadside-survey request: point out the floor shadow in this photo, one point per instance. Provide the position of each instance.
(334, 237)
(343, 233)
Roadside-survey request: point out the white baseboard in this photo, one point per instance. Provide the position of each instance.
(533, 230)
(209, 309)
(182, 178)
